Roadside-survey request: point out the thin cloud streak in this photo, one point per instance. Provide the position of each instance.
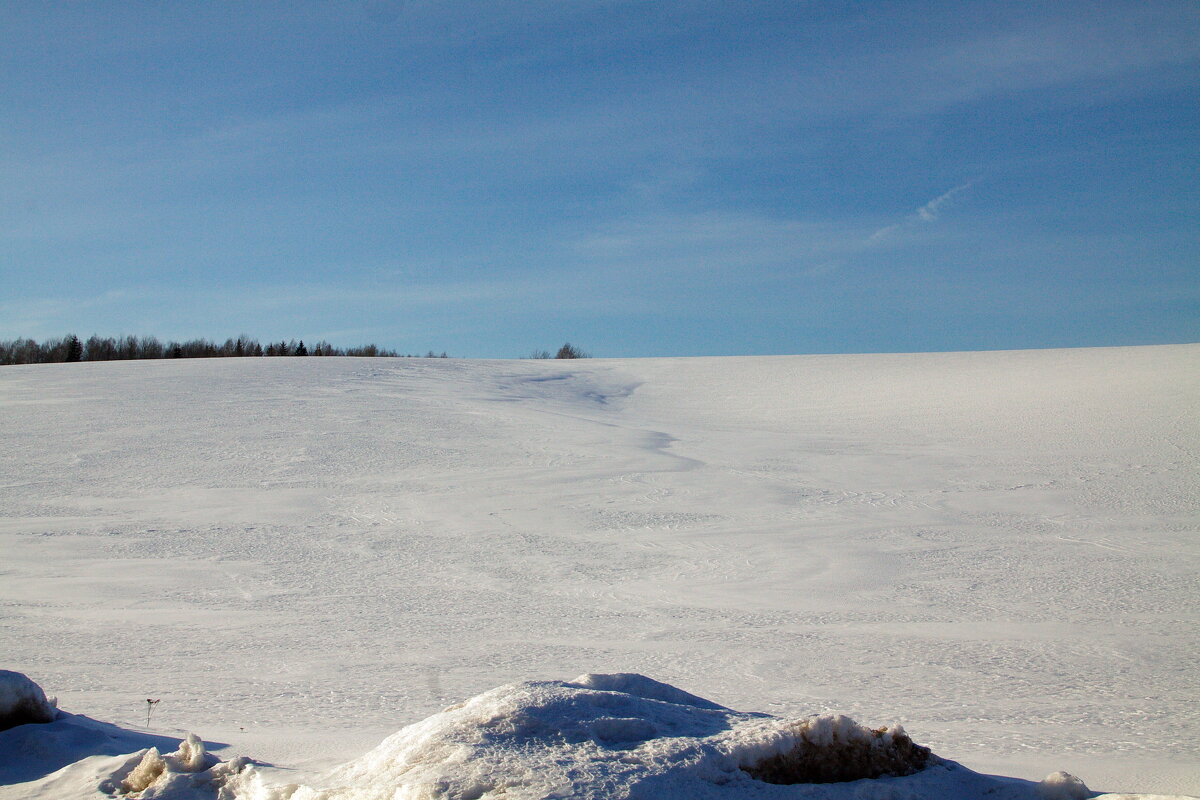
(930, 212)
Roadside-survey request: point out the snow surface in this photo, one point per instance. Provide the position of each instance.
(301, 556)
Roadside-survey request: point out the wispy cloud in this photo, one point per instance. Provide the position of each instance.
(930, 212)
(883, 233)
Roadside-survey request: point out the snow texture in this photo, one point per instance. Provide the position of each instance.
(303, 556)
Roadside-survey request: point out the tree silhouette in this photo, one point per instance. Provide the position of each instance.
(74, 348)
(569, 350)
(70, 348)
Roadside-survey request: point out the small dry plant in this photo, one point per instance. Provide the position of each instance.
(150, 704)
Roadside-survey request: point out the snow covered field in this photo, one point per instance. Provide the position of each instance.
(301, 556)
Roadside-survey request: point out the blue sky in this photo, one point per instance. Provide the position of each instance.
(639, 178)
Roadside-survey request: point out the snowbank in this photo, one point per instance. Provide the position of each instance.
(22, 701)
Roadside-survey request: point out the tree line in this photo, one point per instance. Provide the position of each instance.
(568, 350)
(96, 348)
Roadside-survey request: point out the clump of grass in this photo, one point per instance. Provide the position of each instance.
(831, 749)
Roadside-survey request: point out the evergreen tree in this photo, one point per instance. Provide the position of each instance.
(569, 350)
(74, 348)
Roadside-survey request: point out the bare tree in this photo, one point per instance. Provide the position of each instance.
(97, 349)
(150, 347)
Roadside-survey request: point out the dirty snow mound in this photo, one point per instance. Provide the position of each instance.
(22, 701)
(190, 772)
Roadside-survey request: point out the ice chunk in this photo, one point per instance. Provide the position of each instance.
(191, 756)
(1062, 786)
(148, 770)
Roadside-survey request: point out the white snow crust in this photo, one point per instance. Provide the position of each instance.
(302, 556)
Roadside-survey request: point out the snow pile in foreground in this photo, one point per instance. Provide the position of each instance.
(22, 701)
(556, 739)
(599, 736)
